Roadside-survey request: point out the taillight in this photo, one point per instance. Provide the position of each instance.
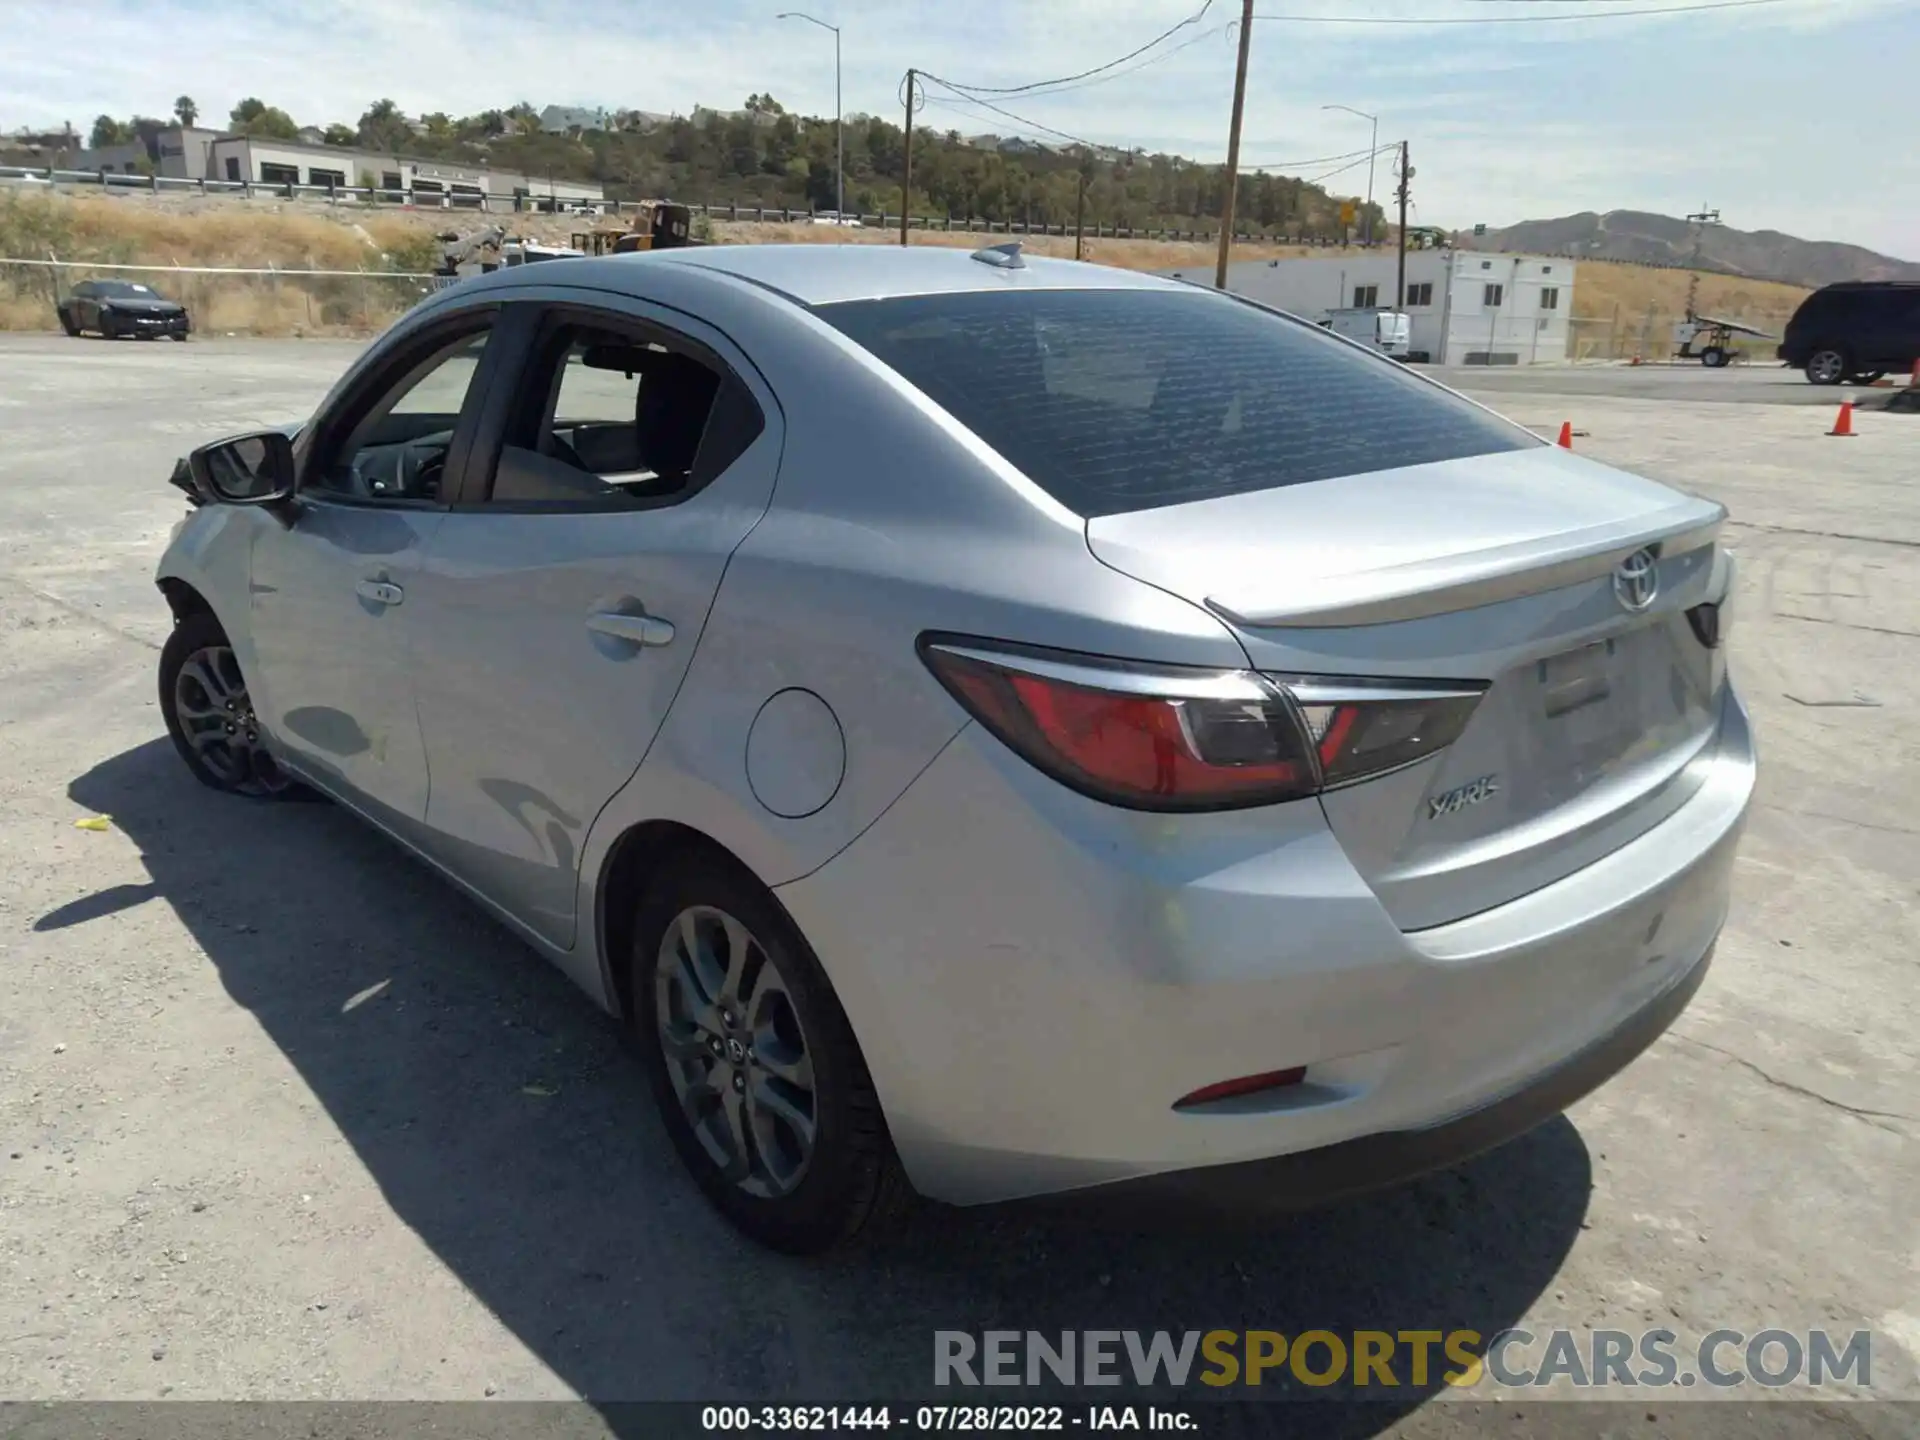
(1155, 737)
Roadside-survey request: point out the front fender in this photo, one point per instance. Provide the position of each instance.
(211, 552)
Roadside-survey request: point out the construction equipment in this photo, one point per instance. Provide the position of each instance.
(656, 225)
(460, 254)
(1713, 337)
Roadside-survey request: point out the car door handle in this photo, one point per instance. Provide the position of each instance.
(635, 629)
(381, 592)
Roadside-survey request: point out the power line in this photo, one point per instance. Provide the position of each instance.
(964, 98)
(1066, 88)
(1171, 30)
(1359, 157)
(1515, 19)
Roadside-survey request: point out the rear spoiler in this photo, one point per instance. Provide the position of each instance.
(1448, 583)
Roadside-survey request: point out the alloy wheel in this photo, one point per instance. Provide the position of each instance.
(1827, 367)
(216, 716)
(736, 1055)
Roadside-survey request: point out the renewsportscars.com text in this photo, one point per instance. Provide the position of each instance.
(1723, 1359)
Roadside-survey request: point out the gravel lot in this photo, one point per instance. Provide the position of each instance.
(283, 1117)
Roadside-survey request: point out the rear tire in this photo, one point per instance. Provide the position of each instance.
(1713, 357)
(1826, 367)
(759, 1080)
(209, 715)
(67, 323)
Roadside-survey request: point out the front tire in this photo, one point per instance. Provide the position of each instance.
(755, 1068)
(209, 715)
(1826, 367)
(1713, 357)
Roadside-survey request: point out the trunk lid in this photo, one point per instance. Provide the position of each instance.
(1598, 720)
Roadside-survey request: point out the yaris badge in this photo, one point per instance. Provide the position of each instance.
(1461, 796)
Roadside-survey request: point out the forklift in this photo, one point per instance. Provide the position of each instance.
(656, 225)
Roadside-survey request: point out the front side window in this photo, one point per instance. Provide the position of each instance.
(1123, 400)
(395, 447)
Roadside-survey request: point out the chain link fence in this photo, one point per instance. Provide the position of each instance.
(224, 300)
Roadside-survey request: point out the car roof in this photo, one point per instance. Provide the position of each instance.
(828, 274)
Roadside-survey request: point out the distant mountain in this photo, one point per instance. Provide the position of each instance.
(1645, 239)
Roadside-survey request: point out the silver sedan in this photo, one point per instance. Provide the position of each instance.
(995, 728)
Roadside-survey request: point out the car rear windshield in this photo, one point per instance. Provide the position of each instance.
(1121, 400)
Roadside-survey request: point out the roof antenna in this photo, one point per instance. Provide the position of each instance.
(1004, 257)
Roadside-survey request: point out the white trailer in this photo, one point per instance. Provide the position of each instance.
(1463, 307)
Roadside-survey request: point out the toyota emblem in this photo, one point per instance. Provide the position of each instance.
(1636, 580)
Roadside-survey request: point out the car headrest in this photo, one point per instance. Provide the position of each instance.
(670, 412)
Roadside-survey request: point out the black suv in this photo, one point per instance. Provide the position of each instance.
(1856, 330)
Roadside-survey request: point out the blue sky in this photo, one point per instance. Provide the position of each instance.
(1792, 116)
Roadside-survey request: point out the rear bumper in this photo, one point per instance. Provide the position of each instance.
(1255, 1188)
(1036, 978)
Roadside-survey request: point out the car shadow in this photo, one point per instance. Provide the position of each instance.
(510, 1129)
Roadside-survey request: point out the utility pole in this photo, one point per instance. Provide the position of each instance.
(1080, 212)
(906, 177)
(1699, 220)
(1233, 145)
(1406, 180)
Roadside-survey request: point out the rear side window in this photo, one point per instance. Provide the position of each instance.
(1121, 400)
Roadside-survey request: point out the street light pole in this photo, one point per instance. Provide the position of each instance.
(839, 123)
(1373, 149)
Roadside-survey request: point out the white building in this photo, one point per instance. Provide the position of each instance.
(1464, 308)
(293, 162)
(559, 119)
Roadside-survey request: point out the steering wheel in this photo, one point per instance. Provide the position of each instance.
(418, 470)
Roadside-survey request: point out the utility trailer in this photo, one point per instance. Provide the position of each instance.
(1710, 340)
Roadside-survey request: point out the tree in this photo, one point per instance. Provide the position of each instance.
(383, 127)
(338, 134)
(109, 131)
(253, 116)
(185, 111)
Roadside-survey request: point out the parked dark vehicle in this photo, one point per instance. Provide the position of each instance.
(1855, 331)
(113, 308)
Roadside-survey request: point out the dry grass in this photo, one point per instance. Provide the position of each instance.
(1617, 308)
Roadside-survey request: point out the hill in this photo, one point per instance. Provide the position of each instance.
(1648, 239)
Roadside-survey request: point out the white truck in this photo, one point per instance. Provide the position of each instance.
(1388, 331)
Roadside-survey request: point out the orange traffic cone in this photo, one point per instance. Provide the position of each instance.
(1843, 426)
(1565, 442)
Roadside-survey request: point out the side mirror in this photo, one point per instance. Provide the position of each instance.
(255, 469)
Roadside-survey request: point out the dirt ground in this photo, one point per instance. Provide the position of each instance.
(282, 1117)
